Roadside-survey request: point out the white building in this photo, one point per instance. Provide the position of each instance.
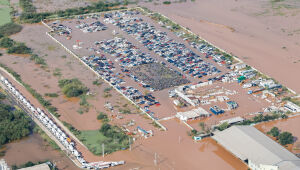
(192, 114)
(292, 107)
(256, 149)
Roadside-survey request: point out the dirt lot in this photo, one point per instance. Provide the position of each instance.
(263, 34)
(290, 125)
(34, 149)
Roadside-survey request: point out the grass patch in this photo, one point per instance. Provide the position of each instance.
(5, 12)
(93, 139)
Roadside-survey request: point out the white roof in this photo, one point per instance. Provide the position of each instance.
(246, 142)
(43, 166)
(193, 113)
(188, 115)
(232, 120)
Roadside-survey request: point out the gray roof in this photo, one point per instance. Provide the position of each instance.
(43, 166)
(246, 142)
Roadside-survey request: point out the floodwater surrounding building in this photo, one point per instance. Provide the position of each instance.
(256, 149)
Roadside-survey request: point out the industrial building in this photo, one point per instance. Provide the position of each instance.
(43, 166)
(256, 149)
(292, 107)
(232, 121)
(192, 114)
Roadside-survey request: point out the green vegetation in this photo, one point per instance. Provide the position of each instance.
(38, 60)
(103, 117)
(84, 105)
(97, 82)
(6, 42)
(14, 47)
(111, 136)
(10, 29)
(31, 16)
(293, 100)
(27, 6)
(57, 72)
(167, 2)
(285, 138)
(223, 126)
(194, 132)
(5, 12)
(51, 94)
(33, 92)
(260, 118)
(14, 124)
(274, 132)
(30, 164)
(72, 87)
(75, 131)
(19, 48)
(125, 111)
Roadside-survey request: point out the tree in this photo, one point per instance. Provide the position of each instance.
(274, 132)
(286, 138)
(194, 132)
(223, 126)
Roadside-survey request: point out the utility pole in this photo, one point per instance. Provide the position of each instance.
(102, 149)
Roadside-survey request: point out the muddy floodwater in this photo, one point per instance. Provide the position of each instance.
(34, 149)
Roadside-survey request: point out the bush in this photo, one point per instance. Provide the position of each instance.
(6, 42)
(167, 2)
(72, 87)
(286, 138)
(37, 59)
(274, 132)
(102, 116)
(19, 48)
(10, 29)
(51, 94)
(223, 126)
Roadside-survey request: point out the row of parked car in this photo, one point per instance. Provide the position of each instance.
(57, 131)
(105, 68)
(172, 51)
(91, 27)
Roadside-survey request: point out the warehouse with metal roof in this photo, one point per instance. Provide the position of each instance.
(256, 149)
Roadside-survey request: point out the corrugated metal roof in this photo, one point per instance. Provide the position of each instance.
(43, 166)
(246, 142)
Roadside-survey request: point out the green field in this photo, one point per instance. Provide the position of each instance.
(93, 139)
(4, 12)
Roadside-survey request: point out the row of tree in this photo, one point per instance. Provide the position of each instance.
(30, 15)
(283, 138)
